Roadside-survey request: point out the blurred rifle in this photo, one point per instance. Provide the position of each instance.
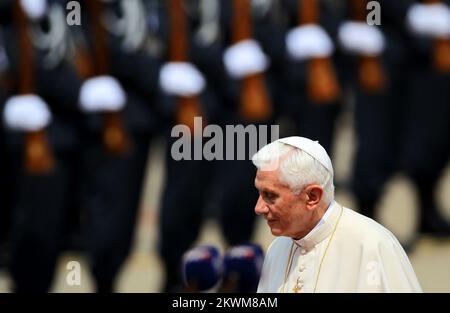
(39, 158)
(115, 139)
(322, 84)
(370, 71)
(255, 104)
(441, 50)
(187, 107)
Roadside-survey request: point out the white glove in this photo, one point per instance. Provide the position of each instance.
(181, 79)
(102, 94)
(34, 9)
(26, 113)
(429, 19)
(245, 58)
(309, 41)
(361, 38)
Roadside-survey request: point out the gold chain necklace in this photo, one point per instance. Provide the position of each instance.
(292, 251)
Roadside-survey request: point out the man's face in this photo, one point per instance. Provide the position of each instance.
(286, 213)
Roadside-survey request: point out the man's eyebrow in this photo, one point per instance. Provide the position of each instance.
(268, 190)
(265, 189)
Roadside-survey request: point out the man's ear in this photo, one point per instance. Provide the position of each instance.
(314, 195)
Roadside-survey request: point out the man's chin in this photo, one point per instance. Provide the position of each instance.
(276, 231)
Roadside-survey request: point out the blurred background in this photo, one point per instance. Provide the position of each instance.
(90, 91)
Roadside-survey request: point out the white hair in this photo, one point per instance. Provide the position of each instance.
(296, 168)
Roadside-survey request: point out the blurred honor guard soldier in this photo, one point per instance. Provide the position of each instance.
(7, 184)
(367, 58)
(229, 91)
(41, 134)
(310, 87)
(119, 69)
(425, 151)
(98, 146)
(185, 96)
(403, 82)
(252, 104)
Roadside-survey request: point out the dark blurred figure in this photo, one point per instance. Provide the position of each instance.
(377, 101)
(401, 105)
(40, 118)
(116, 53)
(299, 37)
(99, 132)
(248, 99)
(425, 150)
(226, 191)
(6, 176)
(183, 201)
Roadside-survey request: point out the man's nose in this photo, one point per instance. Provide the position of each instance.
(261, 207)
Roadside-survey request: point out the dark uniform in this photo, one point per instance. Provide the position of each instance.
(38, 212)
(6, 173)
(309, 118)
(183, 200)
(113, 182)
(404, 128)
(225, 188)
(425, 149)
(377, 113)
(89, 184)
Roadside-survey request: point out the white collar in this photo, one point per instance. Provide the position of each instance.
(322, 228)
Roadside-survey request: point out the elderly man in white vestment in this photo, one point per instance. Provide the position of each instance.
(320, 245)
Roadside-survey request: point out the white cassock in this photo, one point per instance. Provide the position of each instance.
(345, 252)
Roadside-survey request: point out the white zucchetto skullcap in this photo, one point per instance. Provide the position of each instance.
(313, 148)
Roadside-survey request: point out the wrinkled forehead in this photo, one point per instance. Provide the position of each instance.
(268, 179)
